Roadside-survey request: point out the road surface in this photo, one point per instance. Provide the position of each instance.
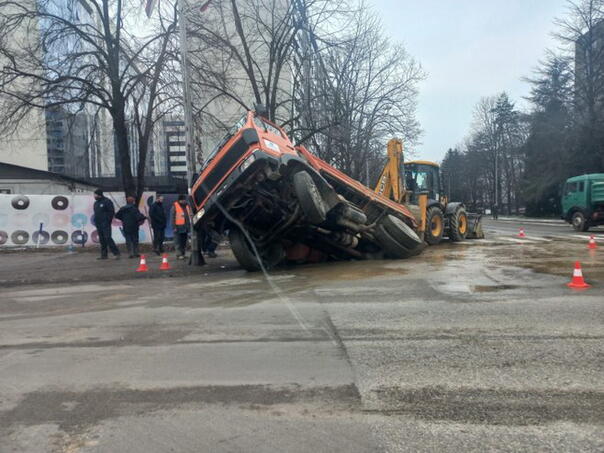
(469, 347)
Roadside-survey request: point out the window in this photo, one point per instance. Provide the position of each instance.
(581, 186)
(5, 191)
(266, 126)
(571, 187)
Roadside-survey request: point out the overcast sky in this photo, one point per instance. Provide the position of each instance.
(470, 49)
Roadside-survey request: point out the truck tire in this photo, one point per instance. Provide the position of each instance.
(390, 246)
(579, 222)
(458, 225)
(400, 231)
(310, 199)
(435, 225)
(270, 256)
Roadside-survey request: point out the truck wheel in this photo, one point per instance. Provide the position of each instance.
(270, 256)
(310, 199)
(579, 222)
(400, 231)
(458, 225)
(390, 246)
(435, 225)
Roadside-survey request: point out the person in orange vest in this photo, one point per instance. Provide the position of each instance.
(181, 225)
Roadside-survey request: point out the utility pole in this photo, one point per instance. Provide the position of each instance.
(186, 91)
(196, 256)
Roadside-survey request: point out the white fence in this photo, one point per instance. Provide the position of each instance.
(57, 220)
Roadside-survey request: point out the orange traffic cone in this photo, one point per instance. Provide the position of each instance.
(521, 233)
(577, 281)
(591, 245)
(142, 267)
(165, 266)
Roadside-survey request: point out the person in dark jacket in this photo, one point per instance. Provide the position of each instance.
(181, 225)
(157, 216)
(131, 219)
(103, 216)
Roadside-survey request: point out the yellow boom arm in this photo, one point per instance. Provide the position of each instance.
(390, 183)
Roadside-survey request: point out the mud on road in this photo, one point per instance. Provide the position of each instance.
(468, 347)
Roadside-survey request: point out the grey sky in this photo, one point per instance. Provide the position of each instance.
(470, 49)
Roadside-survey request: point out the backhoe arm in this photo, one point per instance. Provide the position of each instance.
(390, 183)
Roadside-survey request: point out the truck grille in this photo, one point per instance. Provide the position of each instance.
(222, 168)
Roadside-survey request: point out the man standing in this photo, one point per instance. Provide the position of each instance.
(103, 215)
(179, 216)
(157, 215)
(131, 219)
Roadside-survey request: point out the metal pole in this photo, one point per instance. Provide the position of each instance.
(186, 95)
(196, 257)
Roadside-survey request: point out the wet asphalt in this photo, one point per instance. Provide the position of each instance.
(477, 346)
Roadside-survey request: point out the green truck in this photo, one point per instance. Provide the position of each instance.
(583, 201)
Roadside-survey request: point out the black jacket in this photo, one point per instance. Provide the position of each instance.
(103, 212)
(130, 216)
(157, 215)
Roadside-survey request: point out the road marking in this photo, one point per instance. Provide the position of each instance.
(518, 241)
(538, 238)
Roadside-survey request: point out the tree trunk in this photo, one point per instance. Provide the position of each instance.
(123, 148)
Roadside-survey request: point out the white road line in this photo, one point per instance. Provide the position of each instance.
(538, 238)
(586, 237)
(518, 241)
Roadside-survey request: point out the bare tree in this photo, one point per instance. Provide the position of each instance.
(88, 54)
(244, 54)
(364, 90)
(581, 32)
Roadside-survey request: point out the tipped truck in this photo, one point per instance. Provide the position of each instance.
(278, 202)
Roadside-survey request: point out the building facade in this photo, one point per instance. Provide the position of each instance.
(25, 144)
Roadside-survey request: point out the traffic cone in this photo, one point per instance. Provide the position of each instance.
(142, 267)
(577, 281)
(591, 245)
(165, 266)
(521, 233)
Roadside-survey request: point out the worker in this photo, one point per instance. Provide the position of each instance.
(181, 225)
(157, 215)
(210, 240)
(131, 219)
(103, 216)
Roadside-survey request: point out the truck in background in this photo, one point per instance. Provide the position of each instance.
(583, 201)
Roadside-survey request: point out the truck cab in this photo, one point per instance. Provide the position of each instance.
(583, 201)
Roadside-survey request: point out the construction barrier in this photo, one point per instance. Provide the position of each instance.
(58, 220)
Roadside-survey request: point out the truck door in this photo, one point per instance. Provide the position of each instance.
(571, 196)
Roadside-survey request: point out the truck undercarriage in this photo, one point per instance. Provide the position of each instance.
(278, 202)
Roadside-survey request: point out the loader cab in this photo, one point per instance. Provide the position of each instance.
(422, 176)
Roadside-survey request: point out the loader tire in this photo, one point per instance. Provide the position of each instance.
(458, 225)
(309, 197)
(400, 231)
(390, 246)
(435, 225)
(244, 253)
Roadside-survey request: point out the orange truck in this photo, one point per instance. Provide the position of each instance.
(278, 202)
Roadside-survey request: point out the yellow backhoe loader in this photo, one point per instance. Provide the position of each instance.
(418, 185)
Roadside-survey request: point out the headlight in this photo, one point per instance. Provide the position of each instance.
(197, 217)
(247, 162)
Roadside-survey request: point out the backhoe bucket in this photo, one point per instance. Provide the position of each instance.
(475, 226)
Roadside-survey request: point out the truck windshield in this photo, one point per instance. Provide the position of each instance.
(266, 126)
(232, 131)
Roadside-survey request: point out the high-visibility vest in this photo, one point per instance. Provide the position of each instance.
(180, 217)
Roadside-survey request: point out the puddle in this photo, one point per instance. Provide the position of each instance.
(491, 288)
